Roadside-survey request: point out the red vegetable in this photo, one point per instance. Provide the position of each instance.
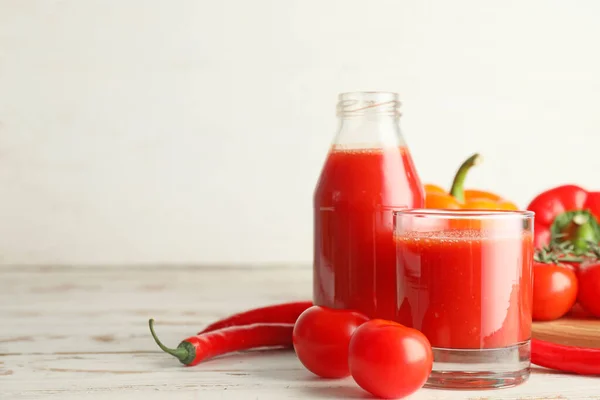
(197, 348)
(389, 360)
(554, 290)
(589, 287)
(321, 339)
(285, 313)
(578, 360)
(566, 212)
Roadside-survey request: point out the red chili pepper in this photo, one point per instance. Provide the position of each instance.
(566, 212)
(195, 349)
(285, 313)
(578, 360)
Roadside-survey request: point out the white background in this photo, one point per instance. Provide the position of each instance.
(137, 131)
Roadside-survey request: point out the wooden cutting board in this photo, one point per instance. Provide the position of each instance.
(577, 328)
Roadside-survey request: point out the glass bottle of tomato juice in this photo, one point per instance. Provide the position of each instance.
(369, 173)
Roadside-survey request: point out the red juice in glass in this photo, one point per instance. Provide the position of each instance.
(465, 281)
(368, 174)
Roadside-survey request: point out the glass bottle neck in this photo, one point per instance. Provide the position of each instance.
(368, 120)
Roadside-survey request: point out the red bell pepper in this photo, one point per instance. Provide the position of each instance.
(566, 212)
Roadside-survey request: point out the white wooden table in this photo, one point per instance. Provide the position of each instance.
(73, 333)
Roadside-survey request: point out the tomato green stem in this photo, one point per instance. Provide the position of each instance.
(181, 353)
(570, 259)
(458, 184)
(553, 255)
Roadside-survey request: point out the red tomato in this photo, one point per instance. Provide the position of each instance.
(321, 338)
(389, 360)
(589, 287)
(554, 291)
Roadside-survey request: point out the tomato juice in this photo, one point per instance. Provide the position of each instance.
(354, 251)
(467, 288)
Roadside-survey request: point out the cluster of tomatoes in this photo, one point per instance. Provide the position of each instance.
(561, 279)
(385, 358)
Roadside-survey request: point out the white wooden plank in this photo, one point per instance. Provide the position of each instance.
(263, 375)
(74, 310)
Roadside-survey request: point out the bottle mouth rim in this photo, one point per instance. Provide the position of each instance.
(368, 93)
(362, 103)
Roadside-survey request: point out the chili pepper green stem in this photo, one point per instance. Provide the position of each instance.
(181, 353)
(458, 185)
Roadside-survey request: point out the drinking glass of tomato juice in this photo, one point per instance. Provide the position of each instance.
(464, 279)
